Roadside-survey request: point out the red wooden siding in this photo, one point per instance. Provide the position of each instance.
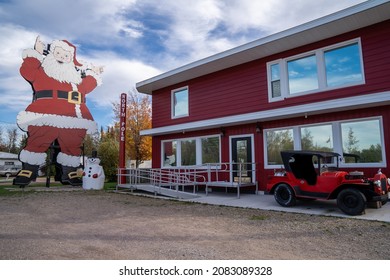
(243, 89)
(246, 129)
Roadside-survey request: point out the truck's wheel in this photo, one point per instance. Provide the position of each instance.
(284, 195)
(351, 202)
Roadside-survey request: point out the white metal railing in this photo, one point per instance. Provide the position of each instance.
(231, 172)
(210, 174)
(159, 178)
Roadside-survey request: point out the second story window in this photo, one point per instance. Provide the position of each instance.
(343, 65)
(302, 74)
(275, 80)
(180, 103)
(335, 66)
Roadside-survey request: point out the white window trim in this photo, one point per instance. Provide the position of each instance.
(173, 103)
(337, 142)
(198, 149)
(321, 71)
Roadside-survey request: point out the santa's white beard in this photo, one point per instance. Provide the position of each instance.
(62, 72)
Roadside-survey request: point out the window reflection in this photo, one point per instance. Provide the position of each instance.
(210, 150)
(188, 152)
(180, 103)
(317, 138)
(362, 141)
(169, 152)
(277, 141)
(343, 66)
(302, 74)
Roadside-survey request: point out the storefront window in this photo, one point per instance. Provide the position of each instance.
(169, 153)
(191, 152)
(277, 141)
(188, 152)
(210, 150)
(317, 138)
(362, 141)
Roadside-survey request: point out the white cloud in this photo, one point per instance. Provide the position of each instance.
(276, 15)
(13, 39)
(137, 40)
(120, 75)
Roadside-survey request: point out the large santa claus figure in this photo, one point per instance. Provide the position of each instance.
(58, 113)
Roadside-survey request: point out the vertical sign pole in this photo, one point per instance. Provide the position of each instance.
(122, 138)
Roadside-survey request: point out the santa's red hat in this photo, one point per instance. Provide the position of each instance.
(64, 44)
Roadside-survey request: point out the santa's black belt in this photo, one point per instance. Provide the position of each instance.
(73, 96)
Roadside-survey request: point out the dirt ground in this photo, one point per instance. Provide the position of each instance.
(97, 225)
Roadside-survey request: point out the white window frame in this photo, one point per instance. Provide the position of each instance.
(173, 116)
(382, 139)
(337, 142)
(198, 143)
(163, 154)
(321, 71)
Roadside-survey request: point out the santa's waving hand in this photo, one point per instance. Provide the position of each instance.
(58, 112)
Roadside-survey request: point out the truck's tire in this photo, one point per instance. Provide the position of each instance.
(351, 202)
(284, 195)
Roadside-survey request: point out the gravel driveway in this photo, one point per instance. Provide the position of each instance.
(104, 225)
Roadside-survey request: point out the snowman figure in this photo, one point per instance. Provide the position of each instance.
(93, 175)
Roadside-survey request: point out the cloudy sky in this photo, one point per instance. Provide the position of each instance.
(137, 39)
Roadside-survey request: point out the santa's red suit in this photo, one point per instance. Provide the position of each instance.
(57, 113)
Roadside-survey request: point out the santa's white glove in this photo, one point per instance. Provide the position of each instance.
(39, 45)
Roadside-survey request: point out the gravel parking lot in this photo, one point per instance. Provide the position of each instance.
(105, 225)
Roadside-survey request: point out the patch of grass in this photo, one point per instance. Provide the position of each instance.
(258, 218)
(8, 190)
(109, 186)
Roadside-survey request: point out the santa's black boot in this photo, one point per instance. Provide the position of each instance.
(26, 175)
(70, 176)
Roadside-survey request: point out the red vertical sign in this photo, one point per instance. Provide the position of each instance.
(122, 137)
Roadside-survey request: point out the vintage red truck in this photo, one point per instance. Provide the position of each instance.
(309, 175)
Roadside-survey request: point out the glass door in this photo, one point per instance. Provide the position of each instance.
(242, 159)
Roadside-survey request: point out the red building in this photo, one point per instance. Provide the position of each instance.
(323, 85)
